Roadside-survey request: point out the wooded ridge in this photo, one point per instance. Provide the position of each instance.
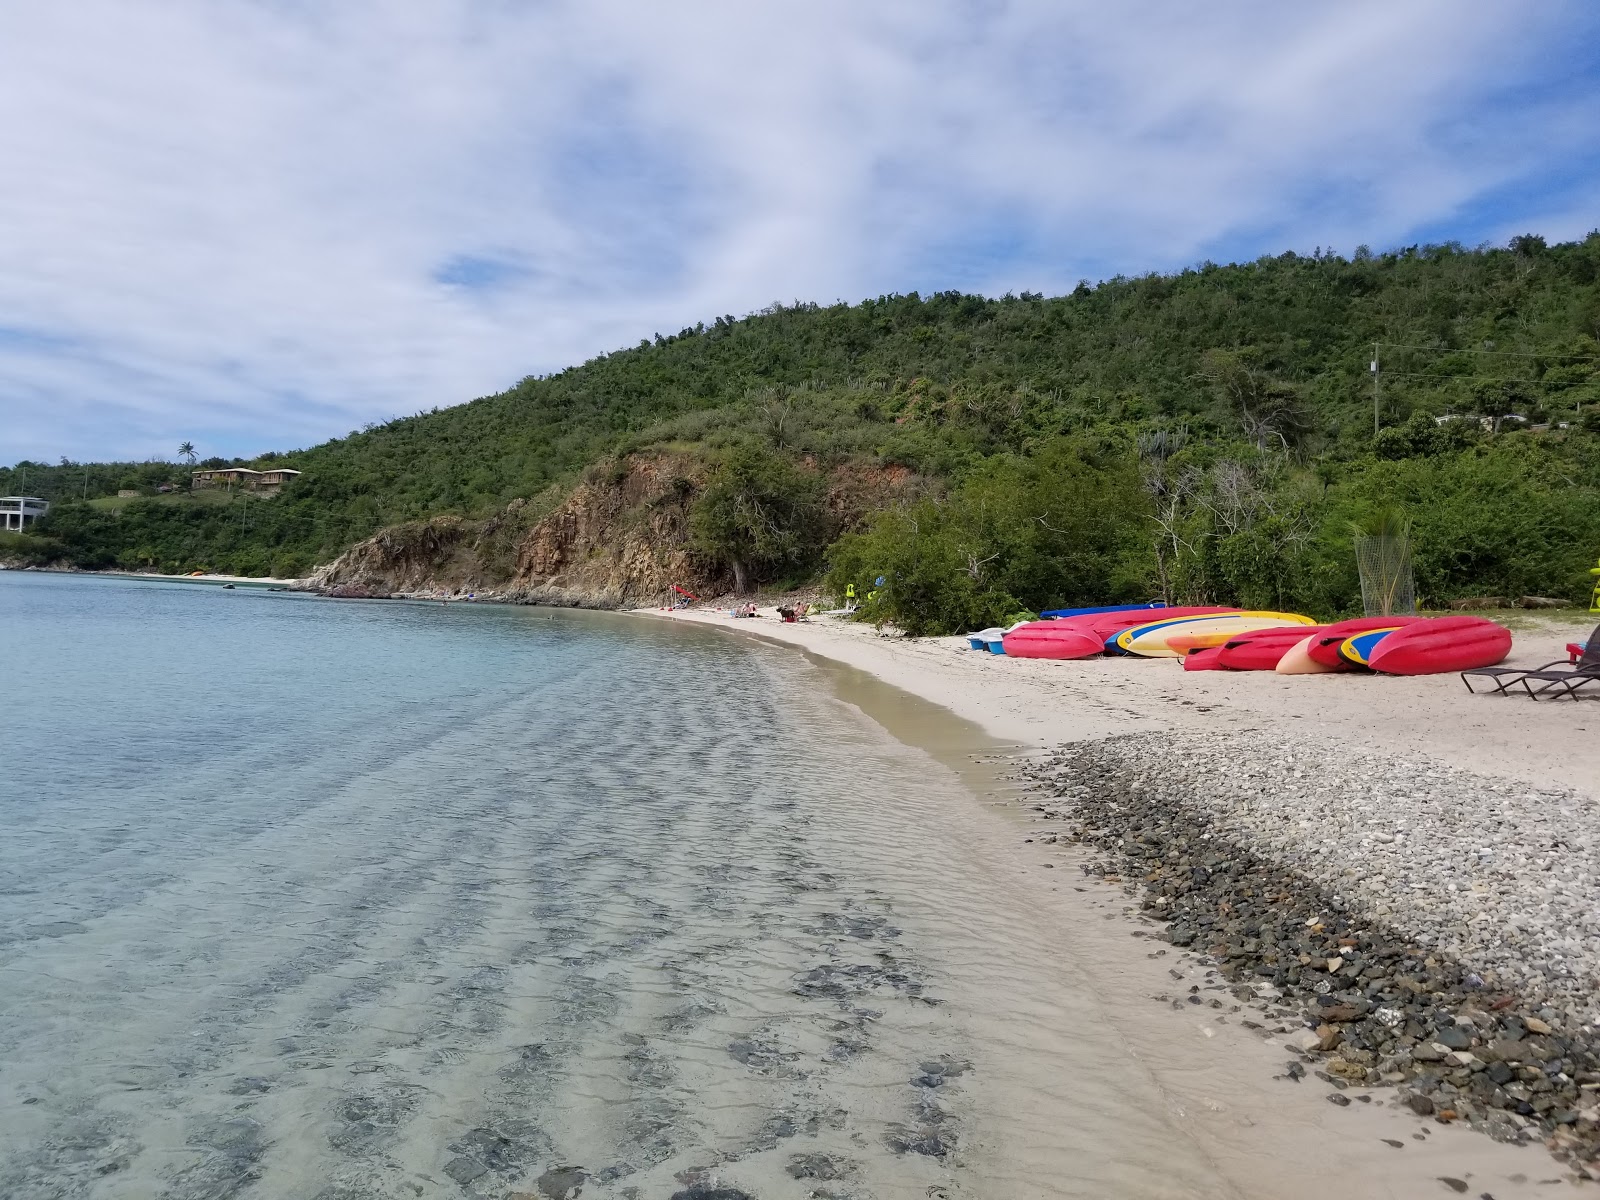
(1208, 434)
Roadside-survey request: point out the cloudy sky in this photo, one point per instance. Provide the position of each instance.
(257, 224)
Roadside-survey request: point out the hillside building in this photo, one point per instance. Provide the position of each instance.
(18, 512)
(244, 477)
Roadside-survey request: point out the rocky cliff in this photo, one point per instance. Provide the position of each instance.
(620, 537)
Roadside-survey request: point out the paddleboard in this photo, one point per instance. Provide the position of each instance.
(1441, 645)
(1325, 650)
(1153, 640)
(1297, 660)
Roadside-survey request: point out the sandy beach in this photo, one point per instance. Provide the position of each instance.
(1033, 702)
(1229, 1074)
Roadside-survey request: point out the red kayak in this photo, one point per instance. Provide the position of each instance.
(1260, 649)
(1441, 645)
(1205, 660)
(1085, 636)
(1325, 650)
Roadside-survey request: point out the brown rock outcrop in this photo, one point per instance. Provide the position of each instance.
(620, 537)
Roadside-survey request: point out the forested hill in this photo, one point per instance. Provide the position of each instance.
(1255, 361)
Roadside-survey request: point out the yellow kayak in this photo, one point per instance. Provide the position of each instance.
(1155, 639)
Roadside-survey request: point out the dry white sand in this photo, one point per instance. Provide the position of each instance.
(1034, 702)
(1219, 1083)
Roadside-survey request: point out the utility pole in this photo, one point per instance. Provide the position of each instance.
(1375, 346)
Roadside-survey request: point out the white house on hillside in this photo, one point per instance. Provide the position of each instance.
(18, 512)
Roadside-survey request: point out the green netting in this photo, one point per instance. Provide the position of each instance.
(1388, 587)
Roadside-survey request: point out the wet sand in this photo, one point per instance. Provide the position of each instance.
(1189, 1086)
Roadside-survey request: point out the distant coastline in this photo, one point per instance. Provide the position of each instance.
(208, 578)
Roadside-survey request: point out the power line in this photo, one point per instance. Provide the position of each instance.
(1557, 383)
(1500, 353)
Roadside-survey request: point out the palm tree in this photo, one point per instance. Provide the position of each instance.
(187, 451)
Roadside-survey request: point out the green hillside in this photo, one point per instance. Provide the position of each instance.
(1225, 413)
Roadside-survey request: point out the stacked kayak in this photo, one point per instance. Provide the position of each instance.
(1327, 651)
(1210, 638)
(1204, 659)
(1400, 646)
(1438, 646)
(1084, 636)
(1263, 649)
(1174, 637)
(1355, 650)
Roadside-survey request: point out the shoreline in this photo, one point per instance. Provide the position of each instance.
(1516, 1062)
(207, 578)
(1043, 703)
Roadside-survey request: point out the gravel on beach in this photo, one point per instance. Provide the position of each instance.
(1423, 926)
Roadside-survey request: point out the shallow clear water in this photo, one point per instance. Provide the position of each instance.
(301, 898)
(310, 899)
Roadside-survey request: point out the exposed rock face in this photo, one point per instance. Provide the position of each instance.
(616, 541)
(619, 538)
(404, 558)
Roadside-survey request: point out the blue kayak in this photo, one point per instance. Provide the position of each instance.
(1053, 614)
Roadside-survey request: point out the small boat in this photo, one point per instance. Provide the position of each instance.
(980, 640)
(1442, 645)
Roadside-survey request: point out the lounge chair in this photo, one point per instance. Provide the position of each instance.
(1580, 669)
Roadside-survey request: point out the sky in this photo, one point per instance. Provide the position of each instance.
(259, 224)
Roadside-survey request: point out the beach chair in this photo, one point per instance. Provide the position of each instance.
(1580, 669)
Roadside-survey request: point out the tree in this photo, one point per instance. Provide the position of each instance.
(1497, 400)
(1268, 410)
(186, 452)
(760, 515)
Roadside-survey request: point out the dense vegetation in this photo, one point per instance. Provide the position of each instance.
(1207, 435)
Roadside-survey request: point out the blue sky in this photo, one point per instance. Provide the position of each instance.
(261, 224)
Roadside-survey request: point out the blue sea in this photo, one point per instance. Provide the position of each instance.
(320, 899)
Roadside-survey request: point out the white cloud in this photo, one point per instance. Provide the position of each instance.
(261, 224)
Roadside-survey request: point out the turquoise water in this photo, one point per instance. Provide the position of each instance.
(308, 898)
(334, 900)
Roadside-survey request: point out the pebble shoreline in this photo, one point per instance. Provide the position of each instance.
(1406, 923)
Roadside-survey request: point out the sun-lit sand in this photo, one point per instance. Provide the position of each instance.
(1222, 1083)
(1036, 702)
